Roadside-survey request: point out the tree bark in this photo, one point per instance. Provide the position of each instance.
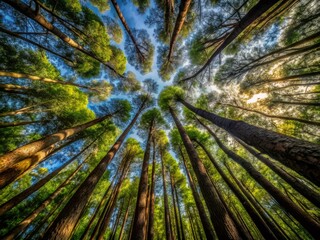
(221, 220)
(183, 11)
(29, 150)
(301, 156)
(63, 225)
(15, 124)
(256, 218)
(183, 237)
(208, 230)
(139, 230)
(152, 196)
(305, 220)
(165, 199)
(303, 189)
(174, 202)
(124, 221)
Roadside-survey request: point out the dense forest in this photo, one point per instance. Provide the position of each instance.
(163, 119)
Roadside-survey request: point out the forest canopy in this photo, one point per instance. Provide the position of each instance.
(162, 119)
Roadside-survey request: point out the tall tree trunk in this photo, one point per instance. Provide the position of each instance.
(127, 28)
(258, 221)
(208, 230)
(303, 189)
(183, 11)
(301, 156)
(305, 220)
(254, 13)
(275, 116)
(116, 223)
(28, 220)
(165, 199)
(18, 170)
(183, 237)
(139, 230)
(65, 222)
(152, 197)
(29, 150)
(124, 221)
(275, 229)
(174, 202)
(27, 192)
(42, 21)
(317, 104)
(43, 79)
(15, 124)
(221, 220)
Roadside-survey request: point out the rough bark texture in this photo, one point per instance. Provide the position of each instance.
(256, 218)
(304, 219)
(183, 10)
(139, 230)
(295, 183)
(63, 225)
(221, 220)
(301, 156)
(174, 201)
(152, 196)
(30, 149)
(208, 230)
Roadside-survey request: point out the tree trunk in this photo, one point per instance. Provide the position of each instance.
(254, 13)
(208, 230)
(257, 220)
(174, 203)
(303, 189)
(275, 116)
(183, 237)
(28, 220)
(221, 220)
(18, 170)
(152, 196)
(301, 156)
(127, 28)
(317, 104)
(43, 79)
(183, 11)
(305, 220)
(63, 225)
(116, 223)
(27, 192)
(124, 221)
(139, 230)
(165, 199)
(42, 21)
(15, 124)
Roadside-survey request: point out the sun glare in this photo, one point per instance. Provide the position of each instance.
(257, 97)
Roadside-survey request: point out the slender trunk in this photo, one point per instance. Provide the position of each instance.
(256, 218)
(124, 221)
(191, 225)
(42, 21)
(303, 189)
(183, 11)
(116, 223)
(298, 77)
(275, 229)
(65, 222)
(19, 111)
(42, 79)
(254, 13)
(221, 220)
(175, 207)
(301, 156)
(304, 219)
(28, 220)
(183, 237)
(15, 124)
(27, 192)
(29, 150)
(165, 199)
(198, 228)
(152, 197)
(139, 230)
(18, 170)
(275, 116)
(208, 230)
(317, 104)
(127, 28)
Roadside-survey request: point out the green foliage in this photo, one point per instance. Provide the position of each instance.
(169, 96)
